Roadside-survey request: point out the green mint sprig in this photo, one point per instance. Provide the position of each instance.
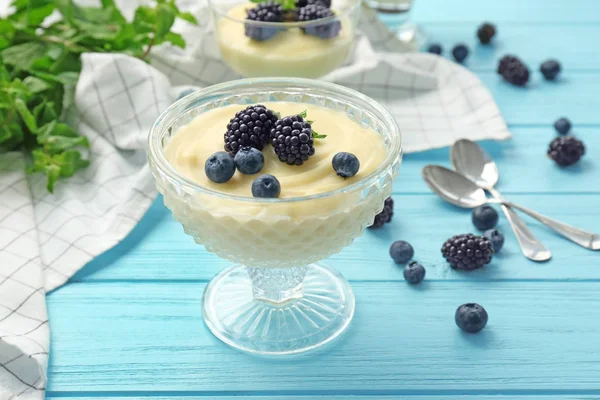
(286, 4)
(39, 67)
(315, 134)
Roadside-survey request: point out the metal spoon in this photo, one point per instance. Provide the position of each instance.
(458, 190)
(474, 163)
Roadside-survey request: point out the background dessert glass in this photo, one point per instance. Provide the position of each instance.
(277, 301)
(397, 15)
(289, 52)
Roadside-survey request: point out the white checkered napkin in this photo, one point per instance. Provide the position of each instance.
(45, 238)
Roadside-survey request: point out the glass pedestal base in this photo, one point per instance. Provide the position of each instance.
(278, 311)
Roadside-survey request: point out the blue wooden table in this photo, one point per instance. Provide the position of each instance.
(129, 325)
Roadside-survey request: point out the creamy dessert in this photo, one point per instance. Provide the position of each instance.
(293, 229)
(194, 143)
(302, 48)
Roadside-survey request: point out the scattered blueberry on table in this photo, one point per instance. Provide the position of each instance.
(513, 70)
(566, 150)
(401, 252)
(385, 216)
(266, 186)
(484, 217)
(486, 32)
(345, 164)
(414, 273)
(467, 251)
(562, 126)
(219, 167)
(460, 52)
(435, 48)
(249, 161)
(496, 237)
(471, 317)
(550, 69)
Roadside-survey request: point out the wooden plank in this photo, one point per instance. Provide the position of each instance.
(148, 337)
(507, 10)
(534, 44)
(159, 250)
(270, 396)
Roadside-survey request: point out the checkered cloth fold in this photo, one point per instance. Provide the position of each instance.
(46, 238)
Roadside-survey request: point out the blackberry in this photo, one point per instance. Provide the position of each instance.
(249, 127)
(270, 11)
(386, 215)
(513, 71)
(471, 317)
(467, 251)
(486, 32)
(460, 52)
(566, 150)
(304, 3)
(313, 12)
(550, 69)
(292, 139)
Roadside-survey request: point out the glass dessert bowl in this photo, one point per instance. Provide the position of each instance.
(294, 46)
(277, 300)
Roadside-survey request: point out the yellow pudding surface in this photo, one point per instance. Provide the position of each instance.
(195, 142)
(290, 52)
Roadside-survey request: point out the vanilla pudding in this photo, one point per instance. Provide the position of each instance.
(194, 143)
(290, 52)
(317, 214)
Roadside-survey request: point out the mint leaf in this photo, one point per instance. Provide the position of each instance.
(35, 85)
(22, 56)
(175, 39)
(317, 136)
(303, 114)
(164, 21)
(186, 16)
(26, 115)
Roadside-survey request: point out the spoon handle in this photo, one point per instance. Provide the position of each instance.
(531, 247)
(585, 239)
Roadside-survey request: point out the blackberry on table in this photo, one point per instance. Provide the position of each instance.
(386, 215)
(513, 71)
(292, 140)
(566, 150)
(304, 3)
(467, 251)
(269, 11)
(314, 12)
(486, 32)
(249, 127)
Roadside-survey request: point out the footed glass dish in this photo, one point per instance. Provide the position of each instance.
(277, 300)
(295, 49)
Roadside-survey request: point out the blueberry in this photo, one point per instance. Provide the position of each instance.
(550, 69)
(266, 186)
(219, 167)
(471, 317)
(562, 125)
(496, 237)
(345, 164)
(401, 252)
(249, 160)
(484, 217)
(460, 52)
(414, 273)
(185, 93)
(435, 48)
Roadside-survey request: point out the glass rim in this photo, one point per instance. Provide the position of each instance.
(345, 11)
(156, 152)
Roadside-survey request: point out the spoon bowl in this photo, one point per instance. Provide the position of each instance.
(474, 163)
(453, 187)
